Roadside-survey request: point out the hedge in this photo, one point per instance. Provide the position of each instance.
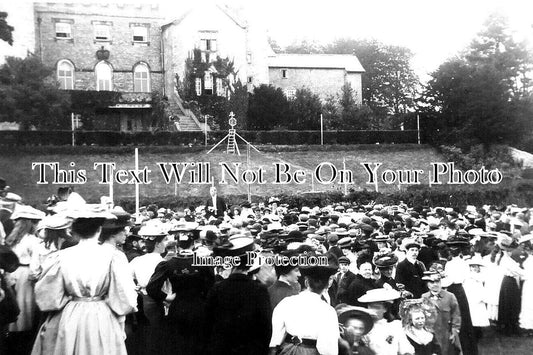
(460, 198)
(114, 138)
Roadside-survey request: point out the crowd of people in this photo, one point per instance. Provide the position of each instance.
(260, 278)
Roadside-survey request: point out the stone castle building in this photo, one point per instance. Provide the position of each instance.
(131, 49)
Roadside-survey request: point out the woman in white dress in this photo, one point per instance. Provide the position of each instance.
(92, 286)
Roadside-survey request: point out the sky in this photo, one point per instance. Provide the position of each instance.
(434, 30)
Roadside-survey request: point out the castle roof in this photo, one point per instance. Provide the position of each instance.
(231, 13)
(316, 61)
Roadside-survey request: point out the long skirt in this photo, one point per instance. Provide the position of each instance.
(292, 349)
(25, 300)
(47, 335)
(467, 334)
(509, 306)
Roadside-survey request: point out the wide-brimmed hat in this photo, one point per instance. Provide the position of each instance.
(476, 260)
(122, 220)
(345, 312)
(385, 260)
(238, 245)
(457, 241)
(317, 271)
(525, 238)
(27, 212)
(508, 243)
(151, 232)
(410, 243)
(432, 276)
(55, 222)
(379, 295)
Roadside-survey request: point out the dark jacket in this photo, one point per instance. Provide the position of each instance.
(279, 290)
(344, 283)
(357, 288)
(411, 275)
(221, 207)
(239, 317)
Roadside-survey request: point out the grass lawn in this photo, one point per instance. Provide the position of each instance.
(16, 168)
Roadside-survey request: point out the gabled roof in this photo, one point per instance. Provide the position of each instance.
(231, 13)
(318, 61)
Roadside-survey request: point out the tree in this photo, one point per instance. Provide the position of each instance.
(305, 108)
(389, 83)
(29, 97)
(343, 112)
(267, 108)
(6, 31)
(304, 47)
(481, 96)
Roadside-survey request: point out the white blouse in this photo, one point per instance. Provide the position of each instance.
(306, 316)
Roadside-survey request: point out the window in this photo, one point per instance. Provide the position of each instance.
(198, 86)
(208, 45)
(140, 34)
(63, 30)
(284, 73)
(290, 94)
(130, 125)
(249, 79)
(104, 75)
(220, 87)
(65, 75)
(141, 78)
(102, 32)
(249, 58)
(208, 83)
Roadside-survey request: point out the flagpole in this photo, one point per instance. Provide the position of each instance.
(418, 127)
(344, 168)
(136, 184)
(321, 130)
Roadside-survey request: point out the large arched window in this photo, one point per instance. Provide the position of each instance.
(65, 75)
(141, 78)
(104, 75)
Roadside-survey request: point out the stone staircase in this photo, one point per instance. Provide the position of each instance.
(188, 120)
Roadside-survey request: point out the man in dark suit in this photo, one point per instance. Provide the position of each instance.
(287, 283)
(239, 315)
(215, 206)
(184, 326)
(344, 279)
(410, 271)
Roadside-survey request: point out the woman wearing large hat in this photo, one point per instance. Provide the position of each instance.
(387, 337)
(306, 323)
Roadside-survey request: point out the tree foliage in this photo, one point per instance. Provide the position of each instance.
(389, 83)
(305, 108)
(217, 106)
(482, 96)
(29, 97)
(268, 107)
(6, 31)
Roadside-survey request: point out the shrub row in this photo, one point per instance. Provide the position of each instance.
(112, 138)
(521, 195)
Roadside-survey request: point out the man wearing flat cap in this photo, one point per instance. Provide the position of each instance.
(344, 278)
